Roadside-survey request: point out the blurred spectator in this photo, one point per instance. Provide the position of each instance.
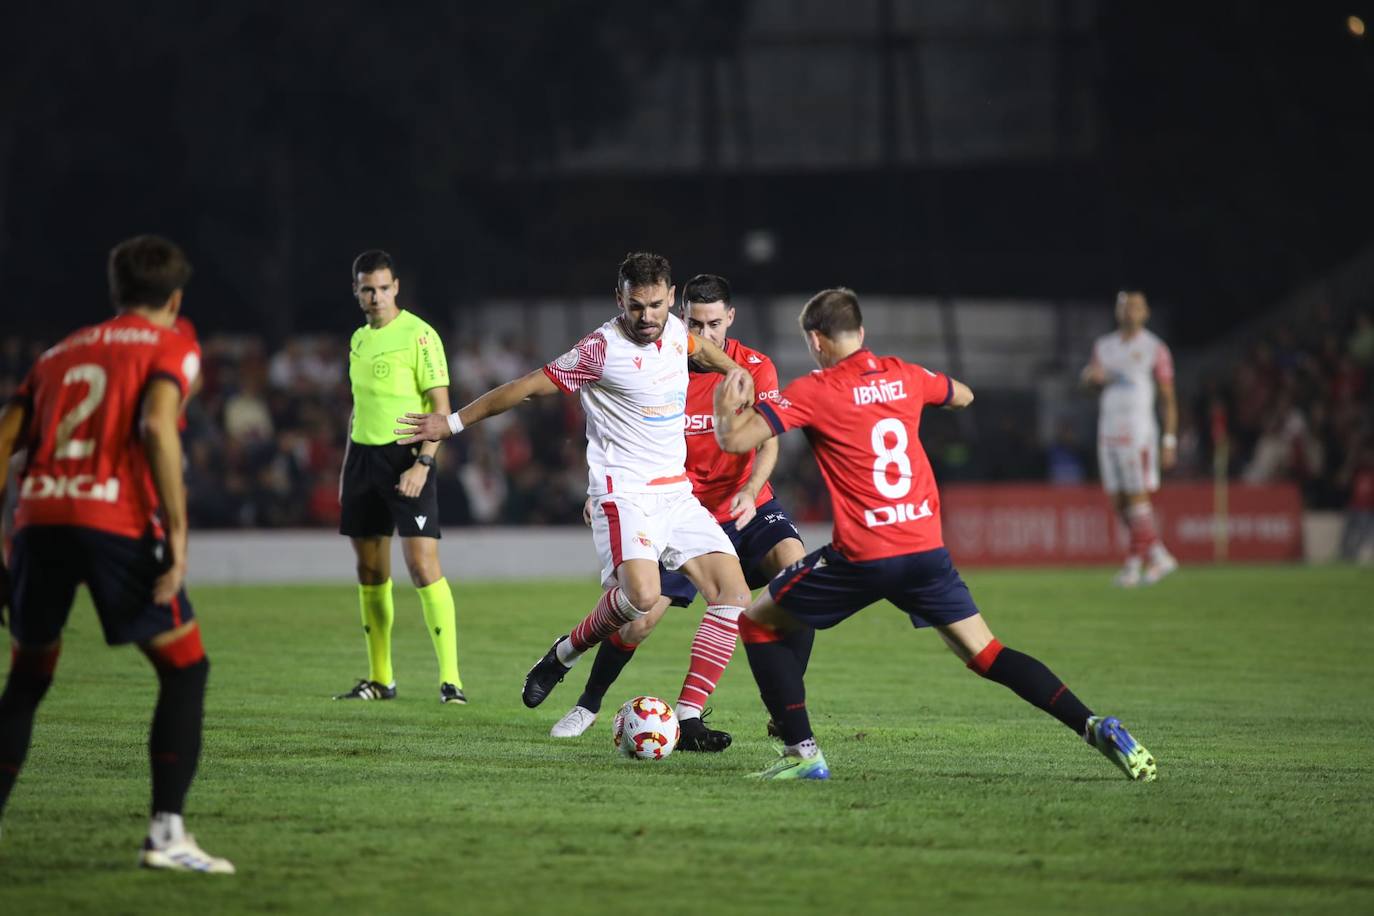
(1359, 512)
(1065, 463)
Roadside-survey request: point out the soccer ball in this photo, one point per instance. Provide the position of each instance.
(646, 728)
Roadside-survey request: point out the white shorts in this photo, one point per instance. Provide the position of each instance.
(1130, 468)
(669, 528)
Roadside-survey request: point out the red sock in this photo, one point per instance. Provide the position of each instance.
(611, 613)
(711, 650)
(1140, 518)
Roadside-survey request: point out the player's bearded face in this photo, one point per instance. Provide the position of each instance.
(644, 310)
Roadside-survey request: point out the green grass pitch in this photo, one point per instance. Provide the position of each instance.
(1252, 686)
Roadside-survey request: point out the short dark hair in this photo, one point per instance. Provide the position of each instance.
(832, 312)
(146, 270)
(642, 268)
(373, 259)
(706, 288)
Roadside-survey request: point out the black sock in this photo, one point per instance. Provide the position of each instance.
(24, 690)
(778, 673)
(174, 741)
(610, 660)
(800, 641)
(1033, 682)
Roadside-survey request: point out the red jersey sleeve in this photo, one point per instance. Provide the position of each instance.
(765, 379)
(795, 406)
(1164, 364)
(177, 359)
(936, 387)
(581, 365)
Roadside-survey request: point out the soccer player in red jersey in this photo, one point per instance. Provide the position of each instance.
(862, 415)
(736, 490)
(102, 502)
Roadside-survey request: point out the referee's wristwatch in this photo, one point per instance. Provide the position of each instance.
(426, 460)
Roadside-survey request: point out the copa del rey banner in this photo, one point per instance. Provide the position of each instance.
(1029, 524)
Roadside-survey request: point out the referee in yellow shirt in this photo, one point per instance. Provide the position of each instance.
(396, 364)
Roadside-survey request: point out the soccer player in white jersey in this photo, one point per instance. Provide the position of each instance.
(1128, 365)
(631, 375)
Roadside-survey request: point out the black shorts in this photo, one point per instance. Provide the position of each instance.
(769, 527)
(50, 561)
(825, 588)
(371, 507)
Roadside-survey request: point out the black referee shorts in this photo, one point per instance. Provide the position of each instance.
(370, 504)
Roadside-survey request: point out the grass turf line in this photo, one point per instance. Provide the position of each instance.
(1250, 685)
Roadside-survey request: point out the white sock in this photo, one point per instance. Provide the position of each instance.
(805, 750)
(686, 711)
(165, 828)
(567, 655)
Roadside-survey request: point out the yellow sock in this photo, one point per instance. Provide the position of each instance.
(436, 599)
(378, 614)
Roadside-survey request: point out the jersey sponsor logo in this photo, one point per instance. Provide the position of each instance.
(896, 514)
(664, 413)
(881, 391)
(78, 486)
(699, 422)
(769, 395)
(751, 358)
(568, 361)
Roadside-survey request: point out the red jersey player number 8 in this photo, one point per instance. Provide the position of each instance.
(886, 457)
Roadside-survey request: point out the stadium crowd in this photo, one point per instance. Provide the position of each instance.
(265, 436)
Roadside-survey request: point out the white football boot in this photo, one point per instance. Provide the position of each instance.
(183, 855)
(1161, 564)
(1130, 576)
(574, 724)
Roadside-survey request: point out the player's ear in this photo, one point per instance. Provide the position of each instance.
(396, 285)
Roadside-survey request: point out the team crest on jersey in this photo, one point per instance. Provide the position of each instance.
(568, 361)
(644, 539)
(190, 366)
(751, 358)
(678, 347)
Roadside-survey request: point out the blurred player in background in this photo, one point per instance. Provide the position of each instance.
(102, 502)
(396, 364)
(862, 414)
(1128, 365)
(734, 488)
(631, 375)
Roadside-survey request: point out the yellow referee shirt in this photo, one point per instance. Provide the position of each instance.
(390, 369)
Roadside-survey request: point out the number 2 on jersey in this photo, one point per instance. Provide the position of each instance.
(885, 457)
(64, 446)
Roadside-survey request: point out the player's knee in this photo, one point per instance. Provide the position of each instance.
(641, 597)
(31, 674)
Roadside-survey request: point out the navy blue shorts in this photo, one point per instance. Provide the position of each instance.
(50, 561)
(825, 588)
(768, 528)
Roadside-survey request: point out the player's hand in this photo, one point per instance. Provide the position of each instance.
(1168, 457)
(412, 481)
(742, 509)
(1093, 374)
(737, 391)
(587, 511)
(423, 427)
(166, 586)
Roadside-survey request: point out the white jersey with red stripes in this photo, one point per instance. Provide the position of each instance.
(633, 395)
(1132, 366)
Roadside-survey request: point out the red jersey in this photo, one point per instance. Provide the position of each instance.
(863, 416)
(86, 465)
(716, 475)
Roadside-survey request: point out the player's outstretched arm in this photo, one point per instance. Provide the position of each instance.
(739, 428)
(961, 396)
(711, 357)
(162, 444)
(432, 427)
(742, 508)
